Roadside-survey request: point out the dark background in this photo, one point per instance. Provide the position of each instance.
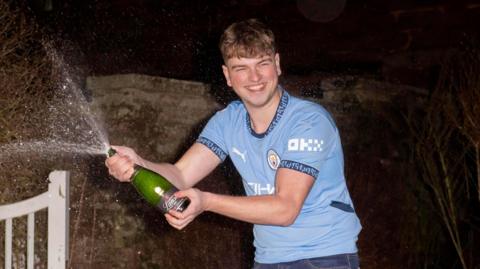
(404, 43)
(397, 41)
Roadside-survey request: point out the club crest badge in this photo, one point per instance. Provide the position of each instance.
(273, 159)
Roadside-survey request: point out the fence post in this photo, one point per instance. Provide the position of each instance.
(58, 213)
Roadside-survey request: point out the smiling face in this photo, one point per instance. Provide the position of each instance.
(254, 80)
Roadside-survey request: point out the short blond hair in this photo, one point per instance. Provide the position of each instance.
(249, 38)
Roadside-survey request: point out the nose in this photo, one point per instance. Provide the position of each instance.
(255, 75)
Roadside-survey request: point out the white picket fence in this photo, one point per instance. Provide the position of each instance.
(56, 200)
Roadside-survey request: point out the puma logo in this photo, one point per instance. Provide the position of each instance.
(241, 154)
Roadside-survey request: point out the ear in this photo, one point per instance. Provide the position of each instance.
(277, 64)
(227, 75)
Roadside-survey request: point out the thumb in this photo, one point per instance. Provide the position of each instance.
(119, 149)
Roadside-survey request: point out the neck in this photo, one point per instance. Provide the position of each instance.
(261, 117)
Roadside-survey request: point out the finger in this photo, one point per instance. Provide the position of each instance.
(122, 161)
(176, 214)
(115, 147)
(169, 218)
(186, 222)
(124, 151)
(109, 161)
(112, 167)
(128, 174)
(180, 226)
(120, 151)
(116, 160)
(173, 221)
(124, 171)
(120, 167)
(181, 194)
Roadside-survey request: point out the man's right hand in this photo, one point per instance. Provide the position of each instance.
(121, 165)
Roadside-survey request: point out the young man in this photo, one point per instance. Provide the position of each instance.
(287, 151)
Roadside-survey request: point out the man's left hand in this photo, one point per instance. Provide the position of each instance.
(180, 220)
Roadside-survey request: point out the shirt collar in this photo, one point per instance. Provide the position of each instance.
(278, 115)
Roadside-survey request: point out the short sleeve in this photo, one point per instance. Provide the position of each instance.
(212, 135)
(309, 144)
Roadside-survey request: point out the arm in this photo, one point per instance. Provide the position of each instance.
(197, 162)
(281, 208)
(192, 167)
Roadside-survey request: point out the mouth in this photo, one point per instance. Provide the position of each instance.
(256, 87)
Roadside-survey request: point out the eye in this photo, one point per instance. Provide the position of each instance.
(265, 63)
(239, 69)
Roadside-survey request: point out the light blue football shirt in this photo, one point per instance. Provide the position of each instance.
(302, 137)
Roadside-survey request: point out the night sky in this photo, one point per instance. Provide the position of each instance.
(397, 41)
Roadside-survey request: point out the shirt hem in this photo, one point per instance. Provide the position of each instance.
(309, 255)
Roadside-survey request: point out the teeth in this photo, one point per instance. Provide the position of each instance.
(255, 87)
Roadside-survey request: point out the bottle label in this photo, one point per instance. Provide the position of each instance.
(169, 201)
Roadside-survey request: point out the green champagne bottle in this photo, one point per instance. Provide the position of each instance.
(156, 189)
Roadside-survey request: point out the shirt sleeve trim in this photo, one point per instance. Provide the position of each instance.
(213, 147)
(300, 167)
